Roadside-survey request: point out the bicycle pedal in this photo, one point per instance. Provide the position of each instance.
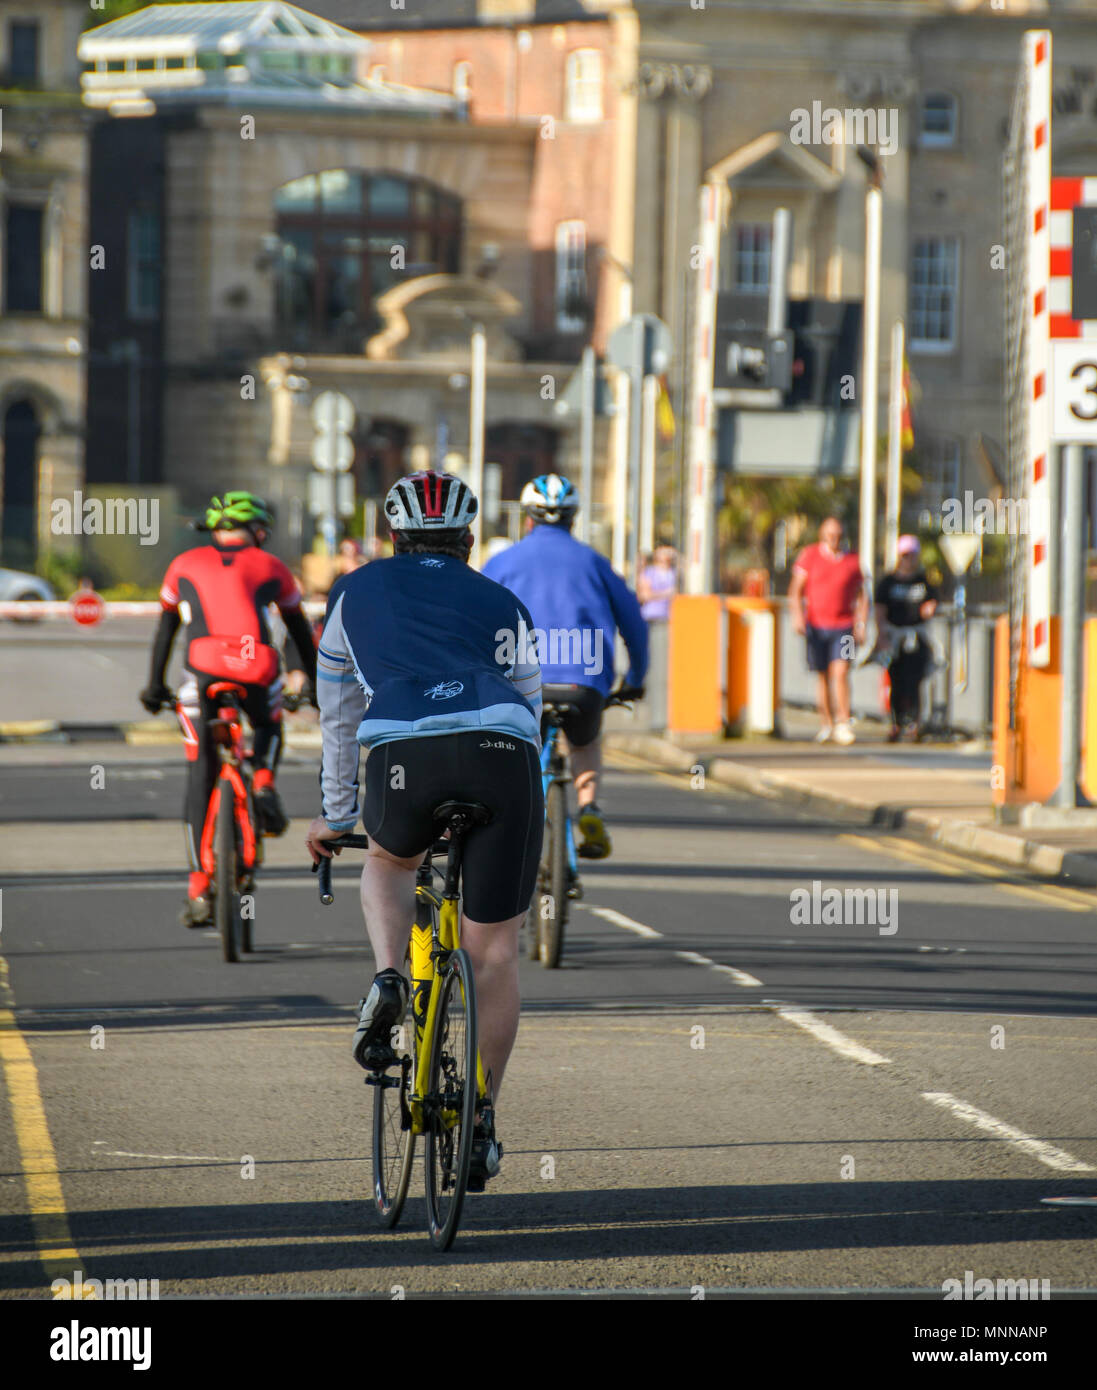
(377, 1059)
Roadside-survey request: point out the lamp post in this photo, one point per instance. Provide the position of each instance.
(870, 359)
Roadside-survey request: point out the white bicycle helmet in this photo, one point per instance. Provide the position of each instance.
(550, 498)
(430, 502)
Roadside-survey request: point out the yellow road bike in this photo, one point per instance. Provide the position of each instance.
(427, 1089)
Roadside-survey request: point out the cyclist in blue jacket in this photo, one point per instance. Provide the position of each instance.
(577, 602)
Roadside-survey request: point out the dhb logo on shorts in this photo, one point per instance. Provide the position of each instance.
(444, 690)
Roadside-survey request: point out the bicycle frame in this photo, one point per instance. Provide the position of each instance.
(431, 946)
(554, 768)
(227, 731)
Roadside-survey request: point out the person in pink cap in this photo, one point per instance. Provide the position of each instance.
(905, 599)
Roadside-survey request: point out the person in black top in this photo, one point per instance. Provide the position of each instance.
(904, 600)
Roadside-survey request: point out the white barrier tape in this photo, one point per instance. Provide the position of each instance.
(59, 608)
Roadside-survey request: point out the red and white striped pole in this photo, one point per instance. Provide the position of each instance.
(701, 538)
(1038, 432)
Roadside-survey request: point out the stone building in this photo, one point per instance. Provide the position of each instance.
(713, 92)
(277, 223)
(43, 268)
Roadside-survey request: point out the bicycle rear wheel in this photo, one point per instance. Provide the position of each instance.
(450, 1102)
(553, 912)
(228, 901)
(393, 1140)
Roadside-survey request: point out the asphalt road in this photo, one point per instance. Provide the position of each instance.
(709, 1092)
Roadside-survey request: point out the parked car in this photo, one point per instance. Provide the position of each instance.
(15, 586)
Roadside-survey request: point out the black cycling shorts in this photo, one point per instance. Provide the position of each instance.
(408, 777)
(585, 725)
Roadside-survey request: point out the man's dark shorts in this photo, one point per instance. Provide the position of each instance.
(408, 777)
(827, 644)
(585, 724)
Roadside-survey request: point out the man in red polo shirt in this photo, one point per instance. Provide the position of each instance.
(829, 608)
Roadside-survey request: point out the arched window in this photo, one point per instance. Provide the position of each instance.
(347, 237)
(462, 81)
(583, 86)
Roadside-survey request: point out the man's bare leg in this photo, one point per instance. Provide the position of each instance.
(493, 950)
(388, 905)
(823, 698)
(586, 768)
(839, 675)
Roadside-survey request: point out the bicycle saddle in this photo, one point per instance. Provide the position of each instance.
(472, 812)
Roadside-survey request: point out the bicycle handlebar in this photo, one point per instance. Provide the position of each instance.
(323, 868)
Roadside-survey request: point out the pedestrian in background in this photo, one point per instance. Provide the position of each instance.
(829, 607)
(905, 599)
(657, 584)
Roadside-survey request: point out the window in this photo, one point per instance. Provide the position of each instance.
(941, 465)
(933, 281)
(145, 64)
(571, 277)
(172, 63)
(377, 73)
(143, 265)
(23, 270)
(938, 120)
(23, 53)
(752, 254)
(583, 86)
(210, 62)
(462, 81)
(338, 231)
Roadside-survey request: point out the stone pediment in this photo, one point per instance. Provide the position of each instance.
(773, 159)
(432, 317)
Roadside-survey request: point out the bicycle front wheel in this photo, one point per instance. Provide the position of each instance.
(228, 903)
(393, 1140)
(450, 1102)
(554, 901)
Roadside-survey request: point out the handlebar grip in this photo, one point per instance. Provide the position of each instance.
(323, 868)
(327, 897)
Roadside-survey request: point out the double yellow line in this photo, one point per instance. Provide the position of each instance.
(956, 866)
(41, 1178)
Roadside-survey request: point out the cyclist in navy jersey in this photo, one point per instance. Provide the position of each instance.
(431, 668)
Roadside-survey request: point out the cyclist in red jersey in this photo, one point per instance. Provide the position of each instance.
(221, 592)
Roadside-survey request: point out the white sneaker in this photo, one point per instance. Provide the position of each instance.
(844, 734)
(824, 734)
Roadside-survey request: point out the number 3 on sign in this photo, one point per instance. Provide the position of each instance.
(1074, 392)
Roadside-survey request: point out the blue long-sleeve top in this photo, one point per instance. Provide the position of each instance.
(577, 602)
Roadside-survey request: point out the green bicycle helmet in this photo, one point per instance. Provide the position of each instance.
(237, 509)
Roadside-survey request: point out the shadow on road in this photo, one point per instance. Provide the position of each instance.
(556, 1226)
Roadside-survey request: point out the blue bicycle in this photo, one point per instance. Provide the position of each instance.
(558, 876)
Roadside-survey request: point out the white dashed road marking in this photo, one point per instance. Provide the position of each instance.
(1038, 1148)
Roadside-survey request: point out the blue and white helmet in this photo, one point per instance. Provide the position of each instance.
(550, 498)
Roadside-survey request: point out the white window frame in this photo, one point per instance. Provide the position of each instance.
(755, 256)
(939, 139)
(583, 81)
(571, 272)
(935, 345)
(462, 80)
